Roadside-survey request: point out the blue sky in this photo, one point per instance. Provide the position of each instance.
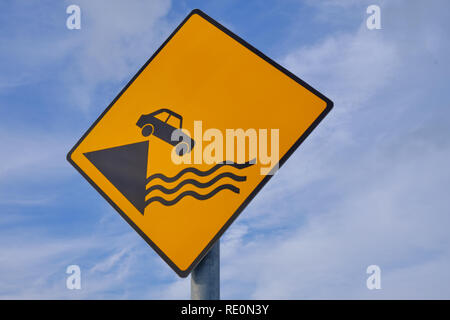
(369, 186)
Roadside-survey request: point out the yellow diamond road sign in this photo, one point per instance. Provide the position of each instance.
(165, 153)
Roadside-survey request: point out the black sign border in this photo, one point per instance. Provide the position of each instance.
(329, 106)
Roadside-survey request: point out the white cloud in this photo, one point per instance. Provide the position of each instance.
(110, 256)
(389, 214)
(110, 262)
(116, 38)
(178, 289)
(351, 68)
(31, 156)
(368, 187)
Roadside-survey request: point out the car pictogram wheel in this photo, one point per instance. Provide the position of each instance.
(147, 130)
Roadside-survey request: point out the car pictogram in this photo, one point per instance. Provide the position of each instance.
(150, 124)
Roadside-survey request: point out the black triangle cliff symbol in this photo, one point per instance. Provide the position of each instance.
(126, 168)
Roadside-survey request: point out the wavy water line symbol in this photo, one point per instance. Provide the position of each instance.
(193, 194)
(196, 183)
(199, 172)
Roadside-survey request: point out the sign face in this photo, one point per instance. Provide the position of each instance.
(194, 136)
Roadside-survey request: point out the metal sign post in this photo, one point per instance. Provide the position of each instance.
(205, 277)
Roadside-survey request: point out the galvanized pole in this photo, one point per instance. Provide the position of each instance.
(205, 277)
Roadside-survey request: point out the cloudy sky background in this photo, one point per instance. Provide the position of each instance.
(369, 186)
